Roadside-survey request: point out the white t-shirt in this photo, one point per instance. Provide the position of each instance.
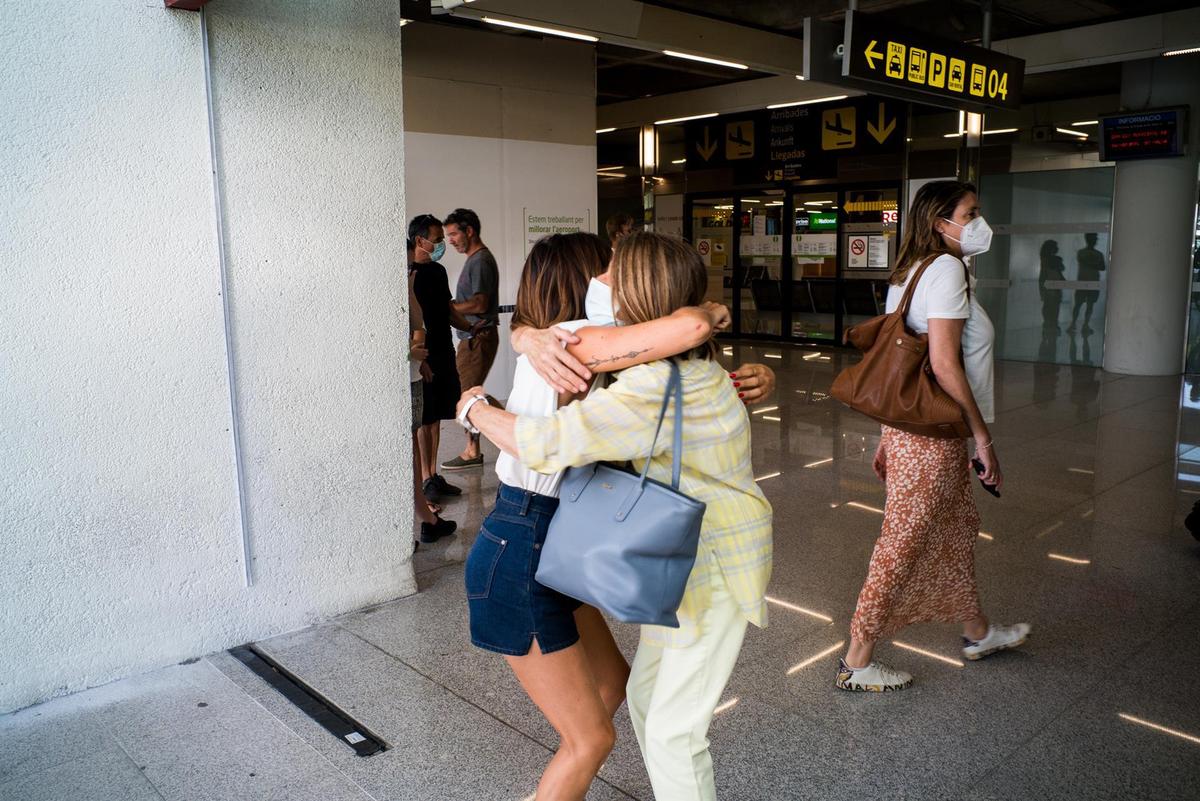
(942, 295)
(599, 303)
(532, 397)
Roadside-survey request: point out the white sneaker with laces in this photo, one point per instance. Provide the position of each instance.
(874, 678)
(999, 638)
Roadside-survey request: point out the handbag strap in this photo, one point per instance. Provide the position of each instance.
(906, 302)
(674, 386)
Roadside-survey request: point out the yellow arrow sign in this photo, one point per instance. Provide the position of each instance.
(882, 131)
(709, 147)
(872, 54)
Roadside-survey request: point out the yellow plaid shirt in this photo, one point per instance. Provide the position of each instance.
(617, 423)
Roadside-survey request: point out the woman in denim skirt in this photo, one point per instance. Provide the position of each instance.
(561, 651)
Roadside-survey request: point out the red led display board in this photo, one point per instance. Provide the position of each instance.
(1156, 133)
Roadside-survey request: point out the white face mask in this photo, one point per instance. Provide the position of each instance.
(600, 307)
(976, 236)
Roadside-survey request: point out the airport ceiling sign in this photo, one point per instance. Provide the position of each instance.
(944, 70)
(796, 141)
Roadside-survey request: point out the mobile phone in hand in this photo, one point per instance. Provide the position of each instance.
(979, 471)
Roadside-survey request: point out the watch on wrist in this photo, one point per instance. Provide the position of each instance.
(463, 417)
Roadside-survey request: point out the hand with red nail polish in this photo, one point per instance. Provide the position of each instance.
(756, 382)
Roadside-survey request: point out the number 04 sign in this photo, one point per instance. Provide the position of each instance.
(912, 63)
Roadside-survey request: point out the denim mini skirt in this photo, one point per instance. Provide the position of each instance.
(508, 607)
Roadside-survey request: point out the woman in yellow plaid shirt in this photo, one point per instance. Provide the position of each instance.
(678, 675)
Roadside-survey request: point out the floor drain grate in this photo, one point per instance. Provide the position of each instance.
(309, 701)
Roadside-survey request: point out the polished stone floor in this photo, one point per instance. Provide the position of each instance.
(1087, 544)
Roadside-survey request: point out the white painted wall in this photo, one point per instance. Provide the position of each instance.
(499, 123)
(499, 179)
(121, 546)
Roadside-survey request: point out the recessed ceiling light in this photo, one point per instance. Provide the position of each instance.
(1084, 123)
(1184, 52)
(1069, 132)
(605, 130)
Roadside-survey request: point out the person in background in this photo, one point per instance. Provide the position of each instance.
(1090, 263)
(477, 299)
(433, 527)
(441, 392)
(678, 674)
(618, 227)
(1051, 269)
(923, 565)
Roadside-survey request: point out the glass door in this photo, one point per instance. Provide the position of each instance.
(869, 232)
(814, 262)
(711, 222)
(758, 261)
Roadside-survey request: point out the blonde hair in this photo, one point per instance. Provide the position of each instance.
(655, 275)
(934, 201)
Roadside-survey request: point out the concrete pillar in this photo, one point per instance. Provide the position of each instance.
(1154, 201)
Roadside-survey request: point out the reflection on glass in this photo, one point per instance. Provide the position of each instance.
(1043, 280)
(618, 174)
(760, 255)
(1193, 343)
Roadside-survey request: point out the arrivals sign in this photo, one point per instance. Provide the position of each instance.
(1143, 134)
(801, 141)
(958, 75)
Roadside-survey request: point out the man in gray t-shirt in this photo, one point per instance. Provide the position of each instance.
(477, 298)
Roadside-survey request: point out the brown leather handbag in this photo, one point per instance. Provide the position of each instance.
(894, 382)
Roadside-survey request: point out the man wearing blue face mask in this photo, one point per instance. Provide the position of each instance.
(432, 289)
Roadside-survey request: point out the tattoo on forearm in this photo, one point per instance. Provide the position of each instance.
(633, 354)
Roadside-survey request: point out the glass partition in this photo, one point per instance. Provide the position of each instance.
(712, 234)
(1043, 280)
(814, 264)
(760, 256)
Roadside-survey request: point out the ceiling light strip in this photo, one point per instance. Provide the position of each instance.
(706, 60)
(506, 23)
(809, 102)
(686, 119)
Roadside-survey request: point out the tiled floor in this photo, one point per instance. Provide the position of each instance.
(1101, 470)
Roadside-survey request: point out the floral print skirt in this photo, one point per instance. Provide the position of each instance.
(923, 567)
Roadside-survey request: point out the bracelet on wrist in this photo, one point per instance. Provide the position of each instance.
(984, 446)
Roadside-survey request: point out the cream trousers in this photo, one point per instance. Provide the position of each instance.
(672, 693)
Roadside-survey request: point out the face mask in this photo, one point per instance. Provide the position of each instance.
(976, 236)
(438, 251)
(599, 303)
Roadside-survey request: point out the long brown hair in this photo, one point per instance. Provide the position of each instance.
(554, 282)
(654, 275)
(934, 201)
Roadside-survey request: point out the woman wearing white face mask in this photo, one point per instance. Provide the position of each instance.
(923, 566)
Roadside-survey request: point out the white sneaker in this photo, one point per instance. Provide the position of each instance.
(874, 678)
(998, 638)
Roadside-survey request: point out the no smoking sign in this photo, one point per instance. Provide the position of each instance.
(857, 245)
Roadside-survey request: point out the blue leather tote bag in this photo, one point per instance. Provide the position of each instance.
(625, 543)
